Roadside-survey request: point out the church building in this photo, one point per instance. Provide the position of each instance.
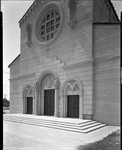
(69, 61)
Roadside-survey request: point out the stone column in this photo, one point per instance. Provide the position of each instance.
(36, 98)
(56, 84)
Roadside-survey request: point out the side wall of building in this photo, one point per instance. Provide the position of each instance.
(107, 73)
(14, 86)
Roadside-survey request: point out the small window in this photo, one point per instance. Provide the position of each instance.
(43, 27)
(47, 37)
(57, 25)
(48, 30)
(52, 35)
(48, 24)
(48, 17)
(52, 22)
(52, 14)
(58, 19)
(43, 32)
(52, 28)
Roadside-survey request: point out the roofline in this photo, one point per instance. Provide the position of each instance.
(29, 9)
(35, 2)
(14, 60)
(114, 10)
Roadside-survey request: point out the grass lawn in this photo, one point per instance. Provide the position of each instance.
(111, 142)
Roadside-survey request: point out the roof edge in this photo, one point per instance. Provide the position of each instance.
(114, 10)
(13, 61)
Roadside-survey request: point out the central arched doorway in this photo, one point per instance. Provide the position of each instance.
(48, 93)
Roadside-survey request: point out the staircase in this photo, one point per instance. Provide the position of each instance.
(75, 125)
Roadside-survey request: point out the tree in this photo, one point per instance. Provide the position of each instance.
(6, 103)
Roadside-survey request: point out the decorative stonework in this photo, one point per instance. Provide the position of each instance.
(78, 65)
(37, 86)
(47, 80)
(29, 32)
(90, 62)
(72, 7)
(49, 23)
(72, 87)
(28, 91)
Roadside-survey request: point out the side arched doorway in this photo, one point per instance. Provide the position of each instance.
(47, 94)
(28, 100)
(72, 106)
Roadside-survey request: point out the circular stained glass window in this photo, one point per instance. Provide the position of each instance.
(48, 23)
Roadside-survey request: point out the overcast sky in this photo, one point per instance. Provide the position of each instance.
(12, 13)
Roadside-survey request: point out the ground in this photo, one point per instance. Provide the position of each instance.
(18, 136)
(111, 142)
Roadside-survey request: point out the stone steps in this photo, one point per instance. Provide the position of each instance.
(82, 127)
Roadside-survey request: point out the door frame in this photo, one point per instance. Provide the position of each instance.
(26, 93)
(79, 91)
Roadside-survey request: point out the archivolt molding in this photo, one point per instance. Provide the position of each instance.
(46, 72)
(76, 83)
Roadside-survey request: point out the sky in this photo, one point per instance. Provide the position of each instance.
(12, 13)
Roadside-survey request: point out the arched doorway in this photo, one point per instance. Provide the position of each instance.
(72, 99)
(48, 90)
(28, 100)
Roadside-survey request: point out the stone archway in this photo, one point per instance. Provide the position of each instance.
(72, 87)
(48, 81)
(28, 100)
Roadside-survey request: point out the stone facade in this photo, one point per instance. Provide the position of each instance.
(70, 62)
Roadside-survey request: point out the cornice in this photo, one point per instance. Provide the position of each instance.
(78, 65)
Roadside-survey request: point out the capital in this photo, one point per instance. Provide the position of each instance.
(56, 83)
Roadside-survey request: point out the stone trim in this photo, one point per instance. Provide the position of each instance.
(106, 58)
(27, 76)
(90, 62)
(23, 76)
(78, 65)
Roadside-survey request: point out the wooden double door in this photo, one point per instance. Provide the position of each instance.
(73, 106)
(49, 100)
(29, 105)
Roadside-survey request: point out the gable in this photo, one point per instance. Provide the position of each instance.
(103, 11)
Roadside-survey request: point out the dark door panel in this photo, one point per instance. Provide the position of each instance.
(29, 105)
(49, 102)
(73, 106)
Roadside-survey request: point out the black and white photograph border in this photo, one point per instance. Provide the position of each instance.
(61, 74)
